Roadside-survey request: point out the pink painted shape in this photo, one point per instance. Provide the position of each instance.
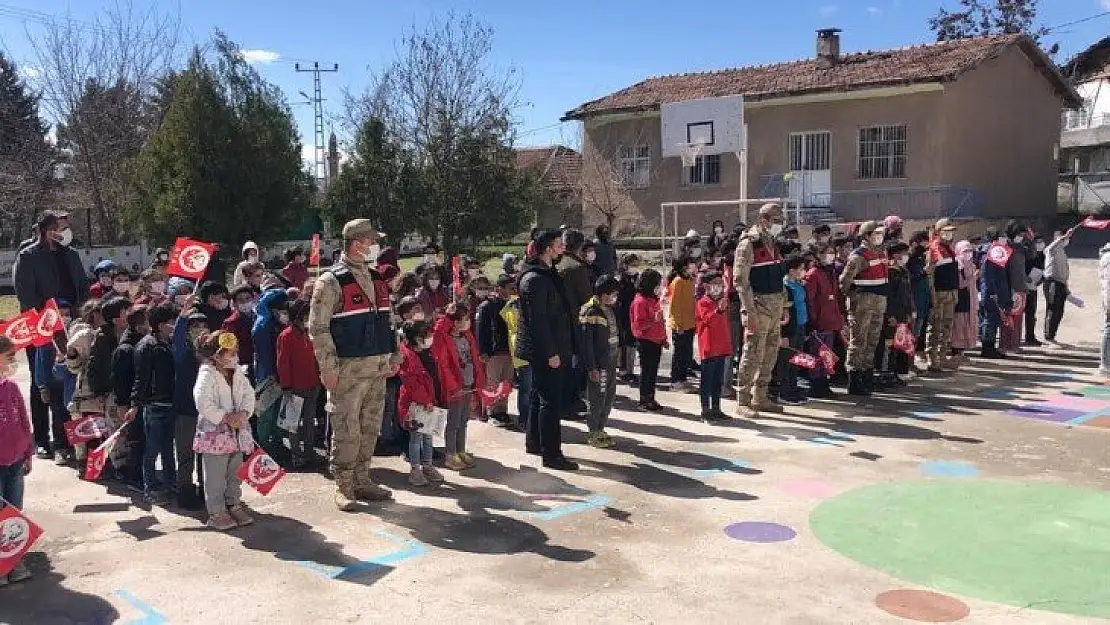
(1082, 404)
(813, 489)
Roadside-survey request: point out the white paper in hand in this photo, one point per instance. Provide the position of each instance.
(432, 421)
(289, 419)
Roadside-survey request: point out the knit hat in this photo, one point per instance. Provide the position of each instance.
(178, 286)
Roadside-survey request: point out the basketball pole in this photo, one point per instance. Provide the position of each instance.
(742, 156)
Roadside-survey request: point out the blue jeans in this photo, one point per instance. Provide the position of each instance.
(712, 373)
(523, 393)
(420, 449)
(11, 484)
(158, 422)
(990, 318)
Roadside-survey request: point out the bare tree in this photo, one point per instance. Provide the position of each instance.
(97, 79)
(614, 167)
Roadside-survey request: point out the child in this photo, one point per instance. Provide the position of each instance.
(51, 380)
(78, 350)
(793, 333)
(599, 357)
(894, 365)
(493, 341)
(511, 315)
(272, 316)
(17, 446)
(714, 345)
(680, 315)
(153, 396)
(433, 295)
(299, 375)
(629, 269)
(152, 288)
(825, 315)
(123, 381)
(295, 271)
(965, 323)
(240, 323)
(646, 318)
(460, 372)
(477, 292)
(419, 386)
(100, 372)
(102, 274)
(225, 402)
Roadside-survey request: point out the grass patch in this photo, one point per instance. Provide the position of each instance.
(9, 306)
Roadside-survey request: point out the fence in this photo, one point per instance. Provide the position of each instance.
(926, 202)
(1087, 194)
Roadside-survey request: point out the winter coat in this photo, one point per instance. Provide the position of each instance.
(100, 360)
(823, 300)
(647, 320)
(433, 301)
(36, 278)
(625, 295)
(240, 325)
(919, 283)
(900, 297)
(154, 373)
(264, 336)
(214, 399)
(493, 334)
(547, 322)
(510, 314)
(606, 261)
(123, 367)
(186, 365)
(994, 281)
(214, 318)
(680, 314)
(297, 274)
(599, 335)
(417, 385)
(1015, 269)
(576, 281)
(297, 369)
(714, 336)
(448, 364)
(78, 348)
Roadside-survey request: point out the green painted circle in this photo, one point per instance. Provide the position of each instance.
(1043, 546)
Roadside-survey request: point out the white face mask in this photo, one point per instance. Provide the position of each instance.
(830, 259)
(1040, 247)
(483, 294)
(122, 287)
(282, 317)
(473, 273)
(157, 288)
(718, 230)
(426, 342)
(63, 237)
(245, 308)
(901, 261)
(1003, 240)
(591, 257)
(222, 304)
(431, 259)
(659, 291)
(180, 299)
(105, 281)
(947, 236)
(370, 252)
(776, 229)
(715, 290)
(877, 239)
(1019, 239)
(433, 284)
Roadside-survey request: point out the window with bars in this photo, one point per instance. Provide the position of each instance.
(882, 152)
(810, 151)
(634, 165)
(706, 170)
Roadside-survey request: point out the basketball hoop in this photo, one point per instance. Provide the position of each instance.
(690, 153)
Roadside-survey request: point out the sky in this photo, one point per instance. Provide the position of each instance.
(567, 52)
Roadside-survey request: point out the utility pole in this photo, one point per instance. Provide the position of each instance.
(321, 164)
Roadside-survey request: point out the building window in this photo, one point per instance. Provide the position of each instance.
(634, 165)
(706, 170)
(882, 152)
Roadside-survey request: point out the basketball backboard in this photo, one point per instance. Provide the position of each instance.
(717, 123)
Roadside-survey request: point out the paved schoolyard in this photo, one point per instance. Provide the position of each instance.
(976, 497)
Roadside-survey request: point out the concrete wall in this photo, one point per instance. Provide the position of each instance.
(1001, 135)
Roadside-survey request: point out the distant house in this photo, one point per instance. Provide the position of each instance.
(560, 170)
(1085, 140)
(960, 128)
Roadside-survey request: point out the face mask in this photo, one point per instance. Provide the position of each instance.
(163, 258)
(433, 284)
(1039, 247)
(1003, 240)
(63, 237)
(473, 273)
(822, 240)
(776, 230)
(300, 259)
(252, 256)
(157, 288)
(221, 304)
(462, 326)
(180, 299)
(431, 259)
(829, 258)
(426, 342)
(716, 290)
(591, 257)
(718, 230)
(659, 291)
(901, 261)
(370, 252)
(245, 308)
(121, 287)
(947, 236)
(227, 361)
(106, 281)
(1019, 239)
(142, 330)
(481, 294)
(282, 317)
(877, 239)
(195, 334)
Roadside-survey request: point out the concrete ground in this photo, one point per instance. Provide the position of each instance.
(977, 496)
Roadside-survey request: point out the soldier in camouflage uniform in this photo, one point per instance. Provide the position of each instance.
(865, 282)
(350, 327)
(944, 276)
(757, 277)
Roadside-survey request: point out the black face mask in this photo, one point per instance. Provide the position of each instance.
(603, 235)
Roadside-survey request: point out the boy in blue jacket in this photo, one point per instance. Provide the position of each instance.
(996, 297)
(55, 384)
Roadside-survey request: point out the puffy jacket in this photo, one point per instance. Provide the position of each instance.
(36, 279)
(214, 399)
(510, 314)
(900, 298)
(714, 336)
(823, 300)
(599, 335)
(448, 363)
(493, 334)
(418, 386)
(546, 318)
(123, 367)
(625, 295)
(576, 281)
(606, 261)
(264, 335)
(994, 281)
(100, 360)
(680, 313)
(154, 373)
(186, 366)
(647, 320)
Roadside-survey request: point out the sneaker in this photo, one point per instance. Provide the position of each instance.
(597, 440)
(156, 498)
(417, 477)
(746, 412)
(607, 440)
(19, 573)
(467, 457)
(3, 581)
(221, 522)
(239, 514)
(907, 377)
(432, 474)
(560, 464)
(708, 416)
(60, 458)
(43, 453)
(791, 400)
(456, 463)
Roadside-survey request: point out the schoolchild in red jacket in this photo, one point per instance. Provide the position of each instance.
(462, 374)
(420, 392)
(714, 344)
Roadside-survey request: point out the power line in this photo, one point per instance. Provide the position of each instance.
(318, 123)
(1078, 21)
(47, 19)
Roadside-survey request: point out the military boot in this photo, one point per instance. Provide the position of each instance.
(744, 407)
(855, 383)
(372, 492)
(345, 498)
(868, 381)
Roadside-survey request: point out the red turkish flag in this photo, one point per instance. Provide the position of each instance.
(98, 458)
(490, 396)
(21, 329)
(804, 360)
(89, 427)
(48, 324)
(314, 257)
(904, 340)
(1097, 224)
(828, 358)
(260, 471)
(189, 258)
(456, 275)
(1000, 254)
(17, 534)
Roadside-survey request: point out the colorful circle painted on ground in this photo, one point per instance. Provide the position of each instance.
(922, 605)
(760, 532)
(1039, 545)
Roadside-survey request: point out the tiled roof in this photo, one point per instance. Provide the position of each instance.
(560, 167)
(861, 70)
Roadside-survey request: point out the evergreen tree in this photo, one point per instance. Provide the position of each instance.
(26, 158)
(976, 18)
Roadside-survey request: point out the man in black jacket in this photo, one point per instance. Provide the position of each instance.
(153, 395)
(123, 382)
(493, 345)
(546, 338)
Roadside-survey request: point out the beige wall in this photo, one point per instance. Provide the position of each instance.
(1002, 121)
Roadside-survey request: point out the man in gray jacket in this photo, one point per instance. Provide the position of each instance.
(606, 262)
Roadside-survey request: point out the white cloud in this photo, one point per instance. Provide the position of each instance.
(829, 9)
(30, 72)
(1105, 4)
(877, 11)
(260, 56)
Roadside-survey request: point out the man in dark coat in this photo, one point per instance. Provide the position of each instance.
(546, 339)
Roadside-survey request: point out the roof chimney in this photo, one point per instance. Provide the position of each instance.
(828, 47)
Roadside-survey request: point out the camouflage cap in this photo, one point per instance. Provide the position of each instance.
(870, 227)
(945, 224)
(770, 210)
(357, 228)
